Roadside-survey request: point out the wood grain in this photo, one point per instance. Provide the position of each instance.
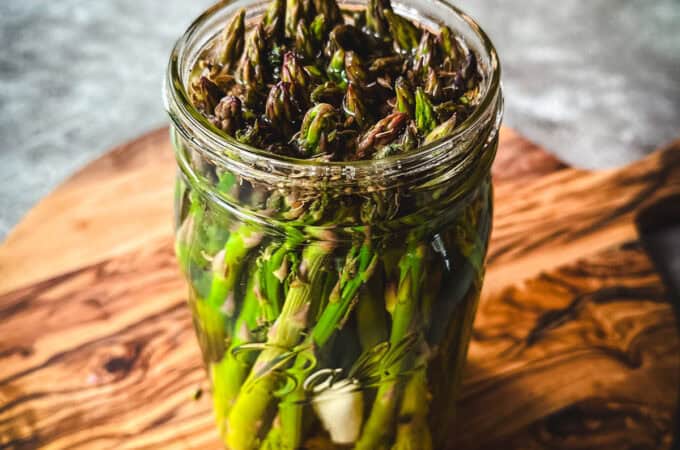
(570, 213)
(119, 362)
(588, 353)
(116, 204)
(575, 345)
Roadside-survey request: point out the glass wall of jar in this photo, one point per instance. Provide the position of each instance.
(333, 301)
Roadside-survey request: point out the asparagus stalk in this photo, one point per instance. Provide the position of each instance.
(274, 21)
(228, 375)
(354, 106)
(210, 328)
(385, 131)
(304, 41)
(275, 268)
(425, 54)
(359, 266)
(441, 130)
(451, 361)
(293, 73)
(232, 41)
(197, 235)
(228, 115)
(251, 67)
(375, 17)
(274, 439)
(404, 100)
(330, 10)
(378, 427)
(318, 129)
(186, 228)
(404, 34)
(294, 15)
(246, 421)
(336, 69)
(354, 69)
(227, 264)
(425, 116)
(281, 108)
(371, 313)
(413, 432)
(317, 28)
(358, 269)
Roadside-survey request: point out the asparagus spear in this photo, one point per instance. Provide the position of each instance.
(294, 74)
(261, 305)
(227, 376)
(185, 230)
(227, 264)
(354, 106)
(305, 44)
(442, 130)
(354, 68)
(246, 421)
(318, 129)
(228, 115)
(425, 53)
(295, 13)
(274, 21)
(336, 69)
(379, 425)
(274, 269)
(404, 34)
(251, 67)
(376, 21)
(381, 134)
(371, 313)
(205, 94)
(317, 28)
(359, 266)
(425, 116)
(232, 41)
(274, 439)
(330, 10)
(449, 45)
(413, 432)
(327, 92)
(281, 108)
(404, 100)
(215, 311)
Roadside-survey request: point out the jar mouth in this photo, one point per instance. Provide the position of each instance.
(228, 152)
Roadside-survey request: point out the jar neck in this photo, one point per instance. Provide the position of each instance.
(389, 199)
(451, 157)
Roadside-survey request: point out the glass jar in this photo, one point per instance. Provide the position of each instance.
(333, 301)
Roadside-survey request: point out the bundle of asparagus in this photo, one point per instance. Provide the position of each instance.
(307, 81)
(313, 338)
(332, 319)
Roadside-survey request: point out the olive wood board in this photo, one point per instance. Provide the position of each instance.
(575, 344)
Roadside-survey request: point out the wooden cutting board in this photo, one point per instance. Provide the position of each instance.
(575, 345)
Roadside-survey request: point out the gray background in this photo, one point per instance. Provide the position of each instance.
(597, 82)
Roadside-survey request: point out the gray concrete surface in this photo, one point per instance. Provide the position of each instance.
(596, 82)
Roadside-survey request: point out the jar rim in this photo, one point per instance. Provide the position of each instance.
(227, 151)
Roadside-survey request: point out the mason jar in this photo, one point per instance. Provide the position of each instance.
(333, 301)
